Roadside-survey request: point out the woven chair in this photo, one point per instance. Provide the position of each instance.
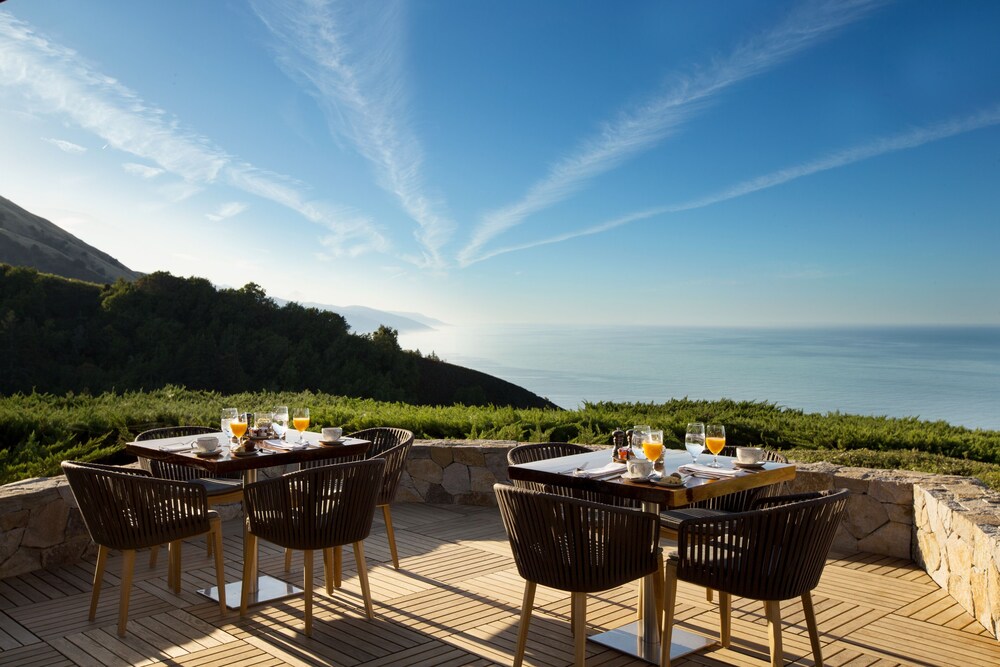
(540, 451)
(576, 546)
(128, 509)
(317, 508)
(775, 552)
(393, 446)
(227, 488)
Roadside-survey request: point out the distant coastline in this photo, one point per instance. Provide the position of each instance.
(949, 373)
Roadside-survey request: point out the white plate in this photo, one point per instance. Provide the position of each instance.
(205, 455)
(636, 478)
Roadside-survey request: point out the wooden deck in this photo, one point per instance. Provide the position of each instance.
(455, 601)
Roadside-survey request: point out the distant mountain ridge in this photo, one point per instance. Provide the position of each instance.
(366, 320)
(30, 240)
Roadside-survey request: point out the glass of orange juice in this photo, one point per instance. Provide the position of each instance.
(238, 426)
(300, 420)
(652, 445)
(715, 440)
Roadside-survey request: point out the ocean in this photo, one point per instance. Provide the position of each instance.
(933, 373)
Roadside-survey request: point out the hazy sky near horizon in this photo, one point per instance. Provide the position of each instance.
(719, 163)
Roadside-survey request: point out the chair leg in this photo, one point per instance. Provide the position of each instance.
(328, 570)
(522, 631)
(387, 515)
(708, 594)
(288, 560)
(154, 553)
(128, 565)
(359, 559)
(772, 609)
(307, 559)
(658, 592)
(669, 600)
(725, 619)
(640, 598)
(579, 605)
(338, 561)
(807, 607)
(249, 554)
(214, 538)
(102, 559)
(174, 550)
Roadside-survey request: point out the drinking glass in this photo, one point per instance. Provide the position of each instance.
(238, 426)
(640, 432)
(228, 415)
(300, 420)
(280, 421)
(652, 445)
(694, 440)
(715, 439)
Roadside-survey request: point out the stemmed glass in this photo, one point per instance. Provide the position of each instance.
(715, 439)
(280, 422)
(300, 420)
(694, 440)
(640, 433)
(238, 426)
(652, 445)
(228, 415)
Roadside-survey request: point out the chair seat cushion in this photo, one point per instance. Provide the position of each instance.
(671, 519)
(217, 487)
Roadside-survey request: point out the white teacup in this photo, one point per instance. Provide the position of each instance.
(639, 467)
(332, 433)
(206, 443)
(749, 455)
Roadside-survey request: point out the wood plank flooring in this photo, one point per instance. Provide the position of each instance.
(455, 601)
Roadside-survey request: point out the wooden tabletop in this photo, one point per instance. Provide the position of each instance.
(560, 471)
(164, 449)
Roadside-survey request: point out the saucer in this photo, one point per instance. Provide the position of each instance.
(635, 478)
(238, 452)
(328, 443)
(748, 466)
(206, 455)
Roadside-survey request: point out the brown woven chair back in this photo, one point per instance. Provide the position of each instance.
(741, 501)
(774, 553)
(769, 454)
(395, 461)
(575, 545)
(540, 451)
(176, 471)
(383, 438)
(126, 508)
(316, 508)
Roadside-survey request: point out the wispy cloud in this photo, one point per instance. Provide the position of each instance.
(363, 94)
(912, 138)
(142, 170)
(227, 210)
(56, 80)
(66, 146)
(640, 128)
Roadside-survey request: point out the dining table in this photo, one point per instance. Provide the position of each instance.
(266, 454)
(641, 638)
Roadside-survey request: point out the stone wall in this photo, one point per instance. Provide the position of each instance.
(949, 525)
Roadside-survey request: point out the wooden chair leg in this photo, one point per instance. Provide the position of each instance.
(669, 600)
(128, 565)
(102, 559)
(338, 561)
(175, 549)
(154, 554)
(359, 559)
(658, 592)
(807, 608)
(249, 554)
(579, 605)
(522, 631)
(708, 594)
(387, 515)
(307, 559)
(214, 538)
(725, 618)
(328, 570)
(640, 599)
(288, 560)
(772, 609)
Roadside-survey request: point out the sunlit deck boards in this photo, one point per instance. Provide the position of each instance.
(455, 601)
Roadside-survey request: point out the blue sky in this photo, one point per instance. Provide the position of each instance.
(719, 163)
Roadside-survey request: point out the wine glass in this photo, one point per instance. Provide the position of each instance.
(238, 425)
(715, 439)
(640, 432)
(300, 420)
(694, 440)
(652, 445)
(228, 415)
(280, 421)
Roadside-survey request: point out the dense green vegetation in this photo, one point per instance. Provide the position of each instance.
(37, 430)
(59, 336)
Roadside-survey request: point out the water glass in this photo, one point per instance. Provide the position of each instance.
(279, 421)
(694, 440)
(640, 432)
(228, 415)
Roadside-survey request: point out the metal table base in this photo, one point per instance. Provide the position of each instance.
(268, 588)
(627, 640)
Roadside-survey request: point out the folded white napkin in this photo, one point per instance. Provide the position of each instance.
(281, 444)
(610, 470)
(699, 470)
(179, 447)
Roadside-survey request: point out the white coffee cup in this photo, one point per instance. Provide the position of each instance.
(639, 467)
(749, 455)
(332, 433)
(206, 443)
